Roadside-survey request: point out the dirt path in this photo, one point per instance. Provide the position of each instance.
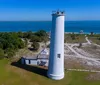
(89, 42)
(81, 56)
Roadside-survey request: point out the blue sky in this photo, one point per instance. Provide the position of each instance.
(33, 10)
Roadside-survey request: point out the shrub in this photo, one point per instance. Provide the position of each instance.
(80, 45)
(35, 45)
(41, 33)
(1, 53)
(35, 39)
(10, 52)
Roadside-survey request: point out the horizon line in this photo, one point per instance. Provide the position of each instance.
(40, 20)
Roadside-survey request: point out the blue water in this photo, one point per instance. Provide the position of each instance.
(70, 26)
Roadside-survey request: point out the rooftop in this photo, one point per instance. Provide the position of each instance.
(62, 13)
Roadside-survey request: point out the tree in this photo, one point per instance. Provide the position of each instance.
(28, 34)
(35, 38)
(20, 34)
(1, 45)
(26, 42)
(99, 38)
(80, 45)
(45, 39)
(10, 52)
(1, 53)
(73, 36)
(41, 33)
(35, 45)
(21, 44)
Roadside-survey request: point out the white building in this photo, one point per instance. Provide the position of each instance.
(56, 59)
(41, 59)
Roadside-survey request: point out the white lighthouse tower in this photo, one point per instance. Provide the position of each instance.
(56, 59)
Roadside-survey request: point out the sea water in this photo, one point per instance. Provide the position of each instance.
(70, 26)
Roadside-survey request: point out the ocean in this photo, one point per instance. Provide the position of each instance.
(70, 26)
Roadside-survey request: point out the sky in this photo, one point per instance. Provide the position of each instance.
(41, 10)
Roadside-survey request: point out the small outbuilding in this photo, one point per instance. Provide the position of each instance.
(40, 59)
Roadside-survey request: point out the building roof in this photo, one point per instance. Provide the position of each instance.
(44, 54)
(44, 51)
(30, 57)
(60, 13)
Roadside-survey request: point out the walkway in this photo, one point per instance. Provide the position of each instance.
(81, 56)
(84, 70)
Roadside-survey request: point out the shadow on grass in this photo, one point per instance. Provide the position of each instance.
(34, 69)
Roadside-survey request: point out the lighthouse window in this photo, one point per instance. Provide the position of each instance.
(58, 55)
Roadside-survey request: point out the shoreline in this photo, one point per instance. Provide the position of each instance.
(49, 32)
(80, 33)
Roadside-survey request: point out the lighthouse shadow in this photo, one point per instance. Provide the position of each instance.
(35, 69)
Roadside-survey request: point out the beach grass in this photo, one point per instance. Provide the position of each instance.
(79, 38)
(95, 40)
(13, 75)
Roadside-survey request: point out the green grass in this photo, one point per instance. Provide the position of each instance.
(95, 40)
(12, 75)
(79, 38)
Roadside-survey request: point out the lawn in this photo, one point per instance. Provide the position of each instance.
(14, 75)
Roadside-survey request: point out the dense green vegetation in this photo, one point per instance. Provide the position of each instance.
(12, 75)
(11, 42)
(1, 53)
(35, 46)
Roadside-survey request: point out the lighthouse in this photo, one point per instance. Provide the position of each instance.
(56, 58)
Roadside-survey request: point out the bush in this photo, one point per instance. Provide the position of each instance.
(35, 45)
(1, 53)
(1, 45)
(41, 33)
(20, 34)
(99, 38)
(26, 42)
(10, 52)
(35, 39)
(21, 44)
(80, 45)
(10, 40)
(28, 34)
(73, 36)
(40, 36)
